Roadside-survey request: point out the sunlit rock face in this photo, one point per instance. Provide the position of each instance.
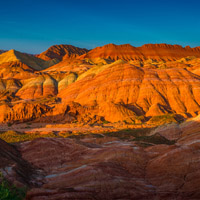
(62, 52)
(152, 91)
(29, 60)
(115, 82)
(149, 51)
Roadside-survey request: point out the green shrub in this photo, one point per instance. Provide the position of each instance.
(9, 124)
(13, 137)
(127, 134)
(162, 119)
(141, 136)
(154, 139)
(105, 122)
(10, 192)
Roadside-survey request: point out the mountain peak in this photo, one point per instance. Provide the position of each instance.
(16, 56)
(9, 56)
(61, 52)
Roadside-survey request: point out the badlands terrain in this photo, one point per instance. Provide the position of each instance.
(114, 122)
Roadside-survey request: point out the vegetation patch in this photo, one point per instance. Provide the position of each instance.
(9, 191)
(163, 119)
(154, 139)
(129, 134)
(13, 137)
(141, 136)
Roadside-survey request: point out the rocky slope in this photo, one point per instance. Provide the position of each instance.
(62, 52)
(14, 168)
(108, 167)
(31, 61)
(143, 91)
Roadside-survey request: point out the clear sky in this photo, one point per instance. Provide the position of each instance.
(34, 25)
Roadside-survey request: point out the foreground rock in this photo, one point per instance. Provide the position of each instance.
(106, 167)
(115, 170)
(15, 169)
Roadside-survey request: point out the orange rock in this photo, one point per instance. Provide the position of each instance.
(115, 52)
(153, 51)
(152, 91)
(61, 52)
(151, 80)
(22, 112)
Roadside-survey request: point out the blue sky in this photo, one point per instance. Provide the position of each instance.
(34, 25)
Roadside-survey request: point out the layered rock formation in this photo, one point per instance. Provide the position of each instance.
(31, 61)
(22, 112)
(168, 52)
(115, 52)
(154, 92)
(149, 51)
(62, 52)
(149, 81)
(14, 168)
(108, 167)
(111, 83)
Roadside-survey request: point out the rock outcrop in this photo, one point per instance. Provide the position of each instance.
(42, 86)
(22, 112)
(14, 168)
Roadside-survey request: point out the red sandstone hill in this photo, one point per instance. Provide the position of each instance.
(115, 52)
(148, 91)
(121, 90)
(145, 85)
(149, 51)
(62, 52)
